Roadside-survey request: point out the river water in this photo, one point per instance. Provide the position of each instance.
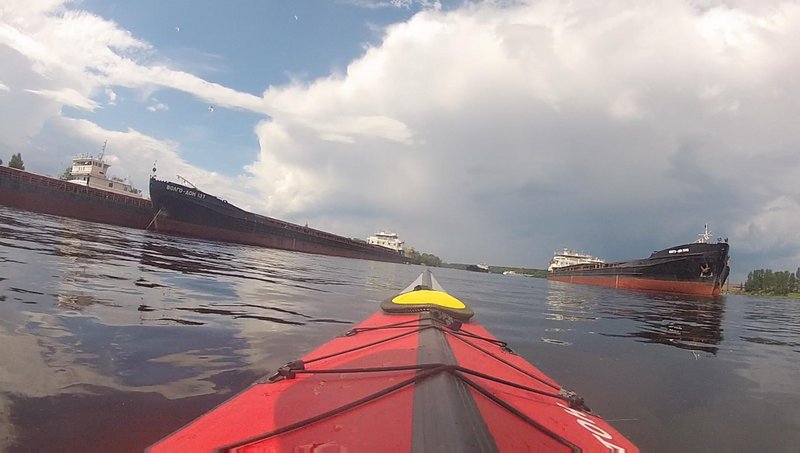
(111, 338)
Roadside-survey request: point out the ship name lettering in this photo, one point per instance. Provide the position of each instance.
(186, 192)
(194, 193)
(684, 250)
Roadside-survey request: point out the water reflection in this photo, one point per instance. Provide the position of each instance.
(104, 327)
(75, 301)
(219, 274)
(226, 260)
(686, 322)
(91, 314)
(774, 322)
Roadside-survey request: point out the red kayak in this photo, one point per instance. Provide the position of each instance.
(418, 375)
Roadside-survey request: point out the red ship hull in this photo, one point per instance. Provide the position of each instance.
(32, 192)
(643, 284)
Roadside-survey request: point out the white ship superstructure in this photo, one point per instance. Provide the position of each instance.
(92, 172)
(387, 239)
(705, 236)
(568, 258)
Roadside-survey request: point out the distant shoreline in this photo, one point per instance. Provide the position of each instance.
(738, 290)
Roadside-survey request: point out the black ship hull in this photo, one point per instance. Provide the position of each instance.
(187, 211)
(31, 192)
(698, 268)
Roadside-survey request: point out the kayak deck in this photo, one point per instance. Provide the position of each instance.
(402, 382)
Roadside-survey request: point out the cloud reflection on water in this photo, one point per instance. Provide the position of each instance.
(687, 322)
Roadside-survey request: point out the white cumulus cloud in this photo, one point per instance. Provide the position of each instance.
(614, 129)
(158, 107)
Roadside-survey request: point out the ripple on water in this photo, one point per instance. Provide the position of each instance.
(112, 323)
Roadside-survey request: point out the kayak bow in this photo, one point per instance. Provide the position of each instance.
(418, 375)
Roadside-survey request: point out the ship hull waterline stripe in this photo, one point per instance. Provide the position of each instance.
(710, 288)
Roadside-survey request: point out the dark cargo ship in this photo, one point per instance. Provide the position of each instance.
(698, 268)
(31, 192)
(188, 211)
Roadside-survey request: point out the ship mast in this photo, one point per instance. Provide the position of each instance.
(103, 151)
(704, 236)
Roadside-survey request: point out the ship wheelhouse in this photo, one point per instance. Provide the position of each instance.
(388, 240)
(92, 172)
(570, 258)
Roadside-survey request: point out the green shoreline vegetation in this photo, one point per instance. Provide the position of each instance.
(15, 162)
(768, 283)
(735, 291)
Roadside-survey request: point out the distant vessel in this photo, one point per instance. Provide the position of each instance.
(387, 239)
(87, 194)
(188, 211)
(699, 268)
(482, 267)
(570, 258)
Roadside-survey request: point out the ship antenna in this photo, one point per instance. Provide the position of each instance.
(103, 151)
(186, 181)
(154, 169)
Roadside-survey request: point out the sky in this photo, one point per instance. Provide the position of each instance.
(494, 131)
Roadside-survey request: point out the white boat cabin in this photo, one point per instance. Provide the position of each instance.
(388, 240)
(569, 258)
(93, 172)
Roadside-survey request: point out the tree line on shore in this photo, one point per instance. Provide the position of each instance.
(766, 281)
(15, 162)
(426, 259)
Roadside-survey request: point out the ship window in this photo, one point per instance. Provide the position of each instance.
(111, 184)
